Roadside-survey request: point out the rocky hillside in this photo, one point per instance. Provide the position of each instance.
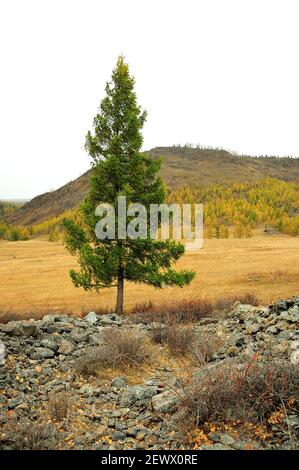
(181, 166)
(239, 390)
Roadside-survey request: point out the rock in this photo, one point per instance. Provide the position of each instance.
(243, 311)
(91, 318)
(280, 348)
(294, 345)
(118, 436)
(2, 353)
(96, 339)
(165, 402)
(137, 394)
(119, 382)
(79, 335)
(43, 353)
(110, 319)
(226, 440)
(155, 325)
(295, 357)
(282, 325)
(66, 347)
(217, 446)
(29, 328)
(240, 340)
(292, 315)
(253, 329)
(12, 328)
(272, 330)
(49, 343)
(279, 306)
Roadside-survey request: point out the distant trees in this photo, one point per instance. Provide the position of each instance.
(243, 206)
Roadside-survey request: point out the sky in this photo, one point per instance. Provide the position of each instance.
(210, 72)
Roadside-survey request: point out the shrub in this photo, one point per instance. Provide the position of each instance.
(250, 391)
(179, 311)
(205, 346)
(120, 348)
(59, 406)
(180, 341)
(27, 435)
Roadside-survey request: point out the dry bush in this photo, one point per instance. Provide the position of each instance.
(248, 298)
(28, 435)
(120, 348)
(204, 348)
(180, 311)
(60, 405)
(249, 392)
(225, 304)
(179, 340)
(158, 333)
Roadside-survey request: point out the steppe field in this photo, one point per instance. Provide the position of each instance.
(34, 275)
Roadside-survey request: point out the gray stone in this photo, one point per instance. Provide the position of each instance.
(2, 353)
(29, 328)
(292, 315)
(43, 353)
(66, 347)
(79, 335)
(96, 339)
(49, 343)
(226, 439)
(294, 345)
(118, 436)
(217, 446)
(110, 319)
(272, 330)
(12, 328)
(118, 382)
(280, 306)
(243, 311)
(139, 394)
(91, 318)
(165, 402)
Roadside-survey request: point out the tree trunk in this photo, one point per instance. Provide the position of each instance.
(120, 292)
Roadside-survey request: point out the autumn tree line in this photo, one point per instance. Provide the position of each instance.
(233, 210)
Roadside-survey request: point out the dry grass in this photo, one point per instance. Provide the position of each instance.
(34, 275)
(28, 435)
(120, 349)
(278, 276)
(180, 341)
(60, 405)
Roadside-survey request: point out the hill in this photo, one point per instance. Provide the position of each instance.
(182, 166)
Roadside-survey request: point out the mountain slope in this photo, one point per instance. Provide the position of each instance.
(181, 166)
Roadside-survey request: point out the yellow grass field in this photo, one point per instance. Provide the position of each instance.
(34, 275)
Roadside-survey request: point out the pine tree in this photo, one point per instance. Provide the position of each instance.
(120, 169)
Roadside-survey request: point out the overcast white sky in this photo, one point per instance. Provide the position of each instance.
(215, 72)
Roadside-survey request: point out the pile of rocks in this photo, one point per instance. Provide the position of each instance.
(37, 359)
(271, 331)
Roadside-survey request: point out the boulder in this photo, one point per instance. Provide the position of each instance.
(66, 347)
(2, 353)
(43, 353)
(110, 319)
(91, 318)
(165, 402)
(137, 395)
(79, 335)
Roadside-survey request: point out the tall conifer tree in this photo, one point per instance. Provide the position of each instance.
(120, 169)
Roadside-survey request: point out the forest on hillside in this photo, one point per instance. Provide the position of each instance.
(229, 210)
